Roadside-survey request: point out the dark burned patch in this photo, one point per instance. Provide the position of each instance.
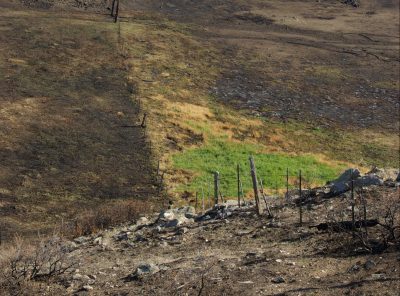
(343, 101)
(319, 17)
(255, 18)
(92, 5)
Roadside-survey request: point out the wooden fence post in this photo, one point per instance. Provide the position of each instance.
(287, 184)
(238, 183)
(112, 8)
(116, 12)
(255, 185)
(300, 201)
(202, 199)
(265, 199)
(216, 187)
(352, 205)
(241, 191)
(364, 205)
(143, 124)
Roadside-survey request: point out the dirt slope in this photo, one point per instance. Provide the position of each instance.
(69, 124)
(323, 62)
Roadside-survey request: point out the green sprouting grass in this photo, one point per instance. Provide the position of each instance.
(224, 156)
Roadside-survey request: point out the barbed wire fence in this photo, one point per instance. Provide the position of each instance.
(283, 187)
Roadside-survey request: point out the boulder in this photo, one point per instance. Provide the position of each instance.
(172, 214)
(384, 174)
(341, 184)
(368, 180)
(347, 176)
(178, 221)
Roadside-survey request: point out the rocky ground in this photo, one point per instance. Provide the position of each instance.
(230, 250)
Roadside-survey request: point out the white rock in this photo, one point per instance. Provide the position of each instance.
(87, 288)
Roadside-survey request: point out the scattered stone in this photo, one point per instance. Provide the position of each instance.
(182, 230)
(354, 268)
(144, 270)
(123, 235)
(69, 246)
(98, 240)
(278, 280)
(82, 240)
(378, 276)
(246, 282)
(77, 277)
(217, 212)
(171, 214)
(384, 174)
(142, 221)
(354, 3)
(177, 222)
(87, 288)
(369, 264)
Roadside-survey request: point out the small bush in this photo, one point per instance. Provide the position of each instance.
(22, 264)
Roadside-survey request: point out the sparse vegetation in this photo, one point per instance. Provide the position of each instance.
(304, 85)
(107, 215)
(22, 263)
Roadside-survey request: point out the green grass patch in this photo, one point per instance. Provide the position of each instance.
(223, 156)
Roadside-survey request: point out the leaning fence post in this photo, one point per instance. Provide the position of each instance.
(216, 187)
(265, 199)
(300, 202)
(255, 185)
(238, 183)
